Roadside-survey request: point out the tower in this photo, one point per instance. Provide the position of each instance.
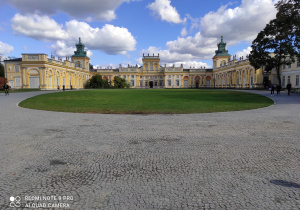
(221, 55)
(80, 58)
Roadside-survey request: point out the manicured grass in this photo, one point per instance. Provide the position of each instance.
(147, 101)
(24, 90)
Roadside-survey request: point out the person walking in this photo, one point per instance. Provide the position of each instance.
(278, 89)
(272, 88)
(6, 87)
(289, 87)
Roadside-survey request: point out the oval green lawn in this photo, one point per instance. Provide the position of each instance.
(147, 101)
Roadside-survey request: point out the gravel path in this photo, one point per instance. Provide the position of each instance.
(230, 160)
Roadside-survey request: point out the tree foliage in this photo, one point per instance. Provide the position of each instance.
(1, 70)
(279, 42)
(3, 81)
(120, 83)
(96, 81)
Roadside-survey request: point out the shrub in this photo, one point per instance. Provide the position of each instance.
(120, 83)
(96, 81)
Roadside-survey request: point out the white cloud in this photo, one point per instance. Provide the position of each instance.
(164, 10)
(5, 48)
(198, 46)
(61, 49)
(109, 38)
(240, 23)
(88, 9)
(243, 53)
(38, 27)
(183, 32)
(170, 58)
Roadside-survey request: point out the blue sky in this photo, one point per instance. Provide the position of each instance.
(120, 31)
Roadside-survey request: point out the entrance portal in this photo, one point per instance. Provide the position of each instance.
(34, 81)
(151, 84)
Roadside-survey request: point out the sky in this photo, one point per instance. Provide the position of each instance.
(119, 31)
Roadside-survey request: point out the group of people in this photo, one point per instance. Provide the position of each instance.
(278, 88)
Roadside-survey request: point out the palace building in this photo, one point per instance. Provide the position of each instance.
(39, 71)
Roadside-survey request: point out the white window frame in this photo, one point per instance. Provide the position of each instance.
(17, 82)
(17, 68)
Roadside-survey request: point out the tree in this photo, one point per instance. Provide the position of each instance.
(120, 83)
(96, 81)
(91, 67)
(3, 81)
(1, 70)
(279, 42)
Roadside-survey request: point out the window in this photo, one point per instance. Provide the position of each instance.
(297, 80)
(169, 76)
(146, 83)
(283, 81)
(155, 77)
(17, 68)
(177, 76)
(132, 76)
(298, 63)
(50, 81)
(151, 66)
(177, 82)
(141, 83)
(161, 83)
(160, 77)
(289, 79)
(146, 68)
(155, 68)
(132, 82)
(124, 76)
(283, 66)
(141, 77)
(251, 80)
(155, 83)
(169, 83)
(17, 81)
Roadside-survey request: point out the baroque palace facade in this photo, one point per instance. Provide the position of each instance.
(38, 71)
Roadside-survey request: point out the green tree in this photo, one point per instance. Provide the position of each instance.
(1, 70)
(91, 67)
(279, 42)
(96, 81)
(120, 83)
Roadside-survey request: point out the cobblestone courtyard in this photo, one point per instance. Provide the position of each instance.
(230, 160)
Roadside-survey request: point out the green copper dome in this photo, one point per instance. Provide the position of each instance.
(80, 50)
(222, 48)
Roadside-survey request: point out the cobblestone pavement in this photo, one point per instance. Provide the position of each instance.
(229, 160)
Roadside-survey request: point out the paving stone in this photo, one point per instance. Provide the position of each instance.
(231, 160)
